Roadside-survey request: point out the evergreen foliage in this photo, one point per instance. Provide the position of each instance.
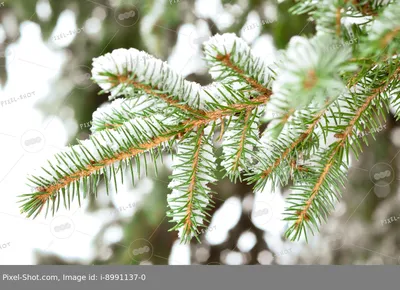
(317, 98)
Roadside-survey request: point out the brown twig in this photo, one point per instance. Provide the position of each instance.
(192, 184)
(302, 137)
(189, 125)
(225, 59)
(150, 90)
(242, 140)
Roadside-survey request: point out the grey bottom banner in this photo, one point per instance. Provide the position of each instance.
(199, 277)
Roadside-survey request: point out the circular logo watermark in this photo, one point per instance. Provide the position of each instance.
(81, 77)
(261, 213)
(7, 55)
(127, 15)
(382, 174)
(32, 141)
(141, 250)
(62, 227)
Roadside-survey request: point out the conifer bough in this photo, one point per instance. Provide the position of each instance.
(316, 99)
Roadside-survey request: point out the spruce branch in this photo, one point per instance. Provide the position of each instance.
(303, 79)
(313, 106)
(297, 141)
(384, 32)
(154, 92)
(114, 114)
(232, 62)
(94, 157)
(335, 17)
(241, 138)
(286, 154)
(127, 71)
(318, 201)
(190, 196)
(84, 163)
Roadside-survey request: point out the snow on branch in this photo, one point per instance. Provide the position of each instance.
(231, 61)
(114, 114)
(313, 101)
(310, 70)
(125, 71)
(193, 172)
(81, 165)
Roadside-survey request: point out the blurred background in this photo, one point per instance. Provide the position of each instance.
(46, 102)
